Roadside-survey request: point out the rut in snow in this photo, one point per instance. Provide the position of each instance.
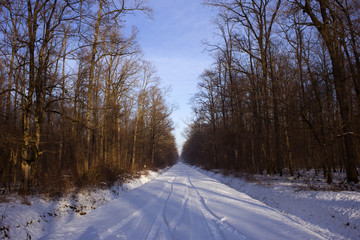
(183, 204)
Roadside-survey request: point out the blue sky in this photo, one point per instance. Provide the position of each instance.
(172, 41)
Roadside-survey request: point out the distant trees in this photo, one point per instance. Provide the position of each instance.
(283, 90)
(69, 75)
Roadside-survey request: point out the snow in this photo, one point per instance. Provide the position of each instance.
(334, 214)
(183, 203)
(32, 217)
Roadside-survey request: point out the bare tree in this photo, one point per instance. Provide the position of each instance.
(293, 68)
(70, 71)
(324, 16)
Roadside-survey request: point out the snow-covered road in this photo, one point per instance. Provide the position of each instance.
(183, 204)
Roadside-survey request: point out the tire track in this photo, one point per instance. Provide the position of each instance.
(160, 229)
(208, 219)
(132, 221)
(180, 214)
(226, 229)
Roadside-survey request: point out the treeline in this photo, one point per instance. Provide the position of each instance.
(78, 105)
(284, 89)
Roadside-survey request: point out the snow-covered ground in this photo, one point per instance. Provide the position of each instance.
(308, 200)
(179, 204)
(183, 203)
(32, 217)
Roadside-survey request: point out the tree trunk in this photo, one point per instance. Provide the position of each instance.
(90, 93)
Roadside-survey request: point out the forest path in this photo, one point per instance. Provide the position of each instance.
(183, 204)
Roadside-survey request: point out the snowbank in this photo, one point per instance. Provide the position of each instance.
(32, 217)
(331, 213)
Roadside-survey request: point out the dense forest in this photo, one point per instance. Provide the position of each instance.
(283, 91)
(78, 103)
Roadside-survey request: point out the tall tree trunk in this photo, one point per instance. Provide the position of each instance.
(90, 94)
(275, 95)
(28, 99)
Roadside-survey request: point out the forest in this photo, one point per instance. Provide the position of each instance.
(283, 92)
(79, 105)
